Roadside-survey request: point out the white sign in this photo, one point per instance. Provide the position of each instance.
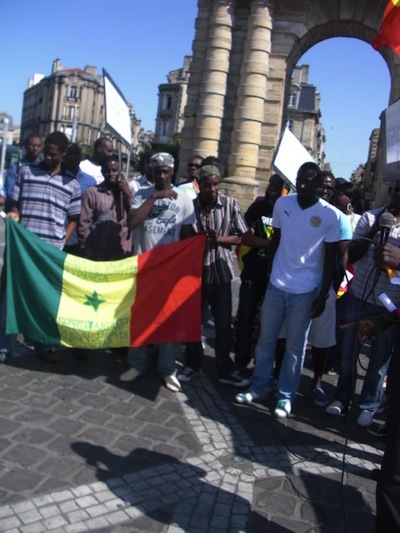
(289, 156)
(118, 119)
(393, 133)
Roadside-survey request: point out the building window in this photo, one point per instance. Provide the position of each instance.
(71, 112)
(292, 100)
(289, 125)
(164, 128)
(73, 92)
(167, 102)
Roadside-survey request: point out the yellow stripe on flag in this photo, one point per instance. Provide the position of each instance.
(96, 301)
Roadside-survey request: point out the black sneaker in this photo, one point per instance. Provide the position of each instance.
(378, 430)
(235, 379)
(187, 374)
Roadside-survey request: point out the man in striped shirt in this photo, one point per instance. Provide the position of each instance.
(220, 218)
(47, 201)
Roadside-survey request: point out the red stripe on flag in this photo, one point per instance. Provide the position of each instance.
(167, 306)
(389, 32)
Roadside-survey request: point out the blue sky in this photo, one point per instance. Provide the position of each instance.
(138, 43)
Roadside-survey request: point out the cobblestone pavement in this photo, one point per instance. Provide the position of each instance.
(80, 451)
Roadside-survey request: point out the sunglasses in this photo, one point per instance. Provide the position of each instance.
(194, 165)
(326, 188)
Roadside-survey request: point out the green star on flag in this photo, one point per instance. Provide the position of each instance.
(93, 300)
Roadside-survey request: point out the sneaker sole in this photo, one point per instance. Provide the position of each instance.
(281, 414)
(232, 384)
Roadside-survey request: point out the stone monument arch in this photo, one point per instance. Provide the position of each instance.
(244, 53)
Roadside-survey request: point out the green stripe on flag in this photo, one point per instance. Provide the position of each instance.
(34, 268)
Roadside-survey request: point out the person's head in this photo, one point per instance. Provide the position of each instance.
(72, 158)
(214, 161)
(308, 180)
(55, 148)
(327, 186)
(209, 179)
(110, 170)
(33, 146)
(102, 148)
(347, 196)
(162, 165)
(193, 167)
(274, 189)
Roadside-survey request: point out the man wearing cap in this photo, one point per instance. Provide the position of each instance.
(220, 218)
(159, 214)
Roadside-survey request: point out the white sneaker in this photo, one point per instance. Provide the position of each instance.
(172, 383)
(335, 408)
(365, 418)
(130, 375)
(283, 409)
(247, 397)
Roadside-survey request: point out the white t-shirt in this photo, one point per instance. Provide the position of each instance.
(298, 262)
(164, 221)
(93, 170)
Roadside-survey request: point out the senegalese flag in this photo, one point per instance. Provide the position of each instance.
(58, 298)
(389, 32)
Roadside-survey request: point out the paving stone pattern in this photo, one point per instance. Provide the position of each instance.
(80, 451)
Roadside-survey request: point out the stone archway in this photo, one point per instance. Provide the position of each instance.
(244, 53)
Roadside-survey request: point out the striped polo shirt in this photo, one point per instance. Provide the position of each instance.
(226, 218)
(47, 202)
(369, 282)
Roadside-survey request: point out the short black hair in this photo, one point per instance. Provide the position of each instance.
(100, 141)
(310, 165)
(59, 139)
(328, 174)
(113, 158)
(32, 136)
(75, 147)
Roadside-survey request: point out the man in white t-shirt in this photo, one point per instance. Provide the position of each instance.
(159, 214)
(102, 149)
(304, 244)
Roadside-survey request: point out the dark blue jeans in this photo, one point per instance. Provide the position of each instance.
(219, 297)
(380, 352)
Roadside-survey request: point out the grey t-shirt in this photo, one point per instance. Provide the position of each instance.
(164, 221)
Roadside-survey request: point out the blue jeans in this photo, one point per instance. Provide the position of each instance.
(139, 358)
(381, 350)
(279, 306)
(249, 296)
(219, 298)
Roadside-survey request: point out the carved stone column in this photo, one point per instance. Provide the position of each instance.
(249, 113)
(210, 109)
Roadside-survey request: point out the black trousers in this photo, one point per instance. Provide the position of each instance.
(388, 487)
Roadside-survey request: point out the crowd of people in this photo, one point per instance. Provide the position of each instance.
(314, 269)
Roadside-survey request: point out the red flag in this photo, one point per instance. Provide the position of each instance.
(389, 33)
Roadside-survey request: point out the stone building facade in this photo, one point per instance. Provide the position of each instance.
(53, 103)
(244, 53)
(172, 98)
(303, 115)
